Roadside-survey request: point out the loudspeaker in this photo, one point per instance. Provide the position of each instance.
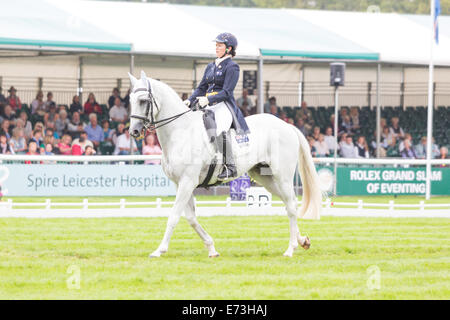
(337, 74)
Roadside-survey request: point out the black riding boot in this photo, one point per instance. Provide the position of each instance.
(224, 145)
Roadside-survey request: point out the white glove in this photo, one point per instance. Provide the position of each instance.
(187, 102)
(203, 101)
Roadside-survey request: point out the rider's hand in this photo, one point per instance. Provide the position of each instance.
(187, 102)
(203, 101)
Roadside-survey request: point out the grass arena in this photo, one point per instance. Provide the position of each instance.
(108, 258)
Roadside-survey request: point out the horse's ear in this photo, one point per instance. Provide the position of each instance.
(143, 76)
(132, 79)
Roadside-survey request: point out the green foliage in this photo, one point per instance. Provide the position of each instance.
(398, 6)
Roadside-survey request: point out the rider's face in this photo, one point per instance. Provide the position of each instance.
(220, 49)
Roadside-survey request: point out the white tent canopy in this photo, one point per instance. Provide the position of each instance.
(188, 31)
(184, 30)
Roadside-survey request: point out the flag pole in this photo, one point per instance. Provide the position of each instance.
(430, 102)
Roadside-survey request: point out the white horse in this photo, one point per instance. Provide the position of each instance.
(187, 154)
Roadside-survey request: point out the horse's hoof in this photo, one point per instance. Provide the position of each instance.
(155, 254)
(288, 253)
(214, 255)
(306, 243)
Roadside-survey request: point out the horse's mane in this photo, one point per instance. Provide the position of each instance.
(165, 86)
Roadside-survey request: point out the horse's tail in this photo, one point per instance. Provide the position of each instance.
(312, 195)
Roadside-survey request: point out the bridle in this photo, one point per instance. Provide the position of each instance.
(148, 118)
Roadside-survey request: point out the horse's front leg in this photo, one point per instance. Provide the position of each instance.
(185, 189)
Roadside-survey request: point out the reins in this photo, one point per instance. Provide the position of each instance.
(152, 124)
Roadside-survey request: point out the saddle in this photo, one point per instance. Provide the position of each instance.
(209, 122)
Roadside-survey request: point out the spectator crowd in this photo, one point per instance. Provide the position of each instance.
(47, 127)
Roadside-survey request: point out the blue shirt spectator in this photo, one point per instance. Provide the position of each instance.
(94, 131)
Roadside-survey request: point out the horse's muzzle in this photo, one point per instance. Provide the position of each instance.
(135, 133)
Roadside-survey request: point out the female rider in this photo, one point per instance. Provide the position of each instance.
(215, 92)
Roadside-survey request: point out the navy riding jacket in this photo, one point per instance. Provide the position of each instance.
(218, 84)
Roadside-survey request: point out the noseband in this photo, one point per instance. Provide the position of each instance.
(148, 118)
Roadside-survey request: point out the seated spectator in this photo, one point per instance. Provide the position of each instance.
(388, 138)
(32, 150)
(13, 100)
(49, 138)
(49, 103)
(126, 100)
(274, 111)
(17, 141)
(89, 151)
(306, 115)
(396, 129)
(61, 123)
(343, 112)
(107, 132)
(123, 144)
(311, 142)
(269, 104)
(82, 141)
(37, 137)
(48, 149)
(322, 149)
(38, 104)
(346, 125)
(118, 132)
(9, 115)
(94, 131)
(434, 149)
(316, 133)
(348, 148)
(301, 126)
(443, 153)
(115, 95)
(75, 126)
(50, 130)
(283, 116)
(184, 96)
(76, 150)
(330, 139)
(383, 123)
(91, 105)
(3, 101)
(245, 103)
(117, 112)
(76, 105)
(64, 145)
(5, 148)
(28, 128)
(51, 114)
(5, 129)
(407, 151)
(331, 123)
(354, 119)
(401, 145)
(290, 121)
(421, 148)
(361, 148)
(150, 147)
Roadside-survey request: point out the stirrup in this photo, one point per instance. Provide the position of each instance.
(230, 173)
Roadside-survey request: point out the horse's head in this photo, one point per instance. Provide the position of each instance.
(143, 108)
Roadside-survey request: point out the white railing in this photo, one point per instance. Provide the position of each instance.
(228, 203)
(61, 158)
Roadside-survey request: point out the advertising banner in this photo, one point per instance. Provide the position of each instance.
(391, 181)
(84, 180)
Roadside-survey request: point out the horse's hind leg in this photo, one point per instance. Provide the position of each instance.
(285, 190)
(192, 219)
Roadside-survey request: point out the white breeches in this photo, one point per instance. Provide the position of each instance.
(223, 117)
